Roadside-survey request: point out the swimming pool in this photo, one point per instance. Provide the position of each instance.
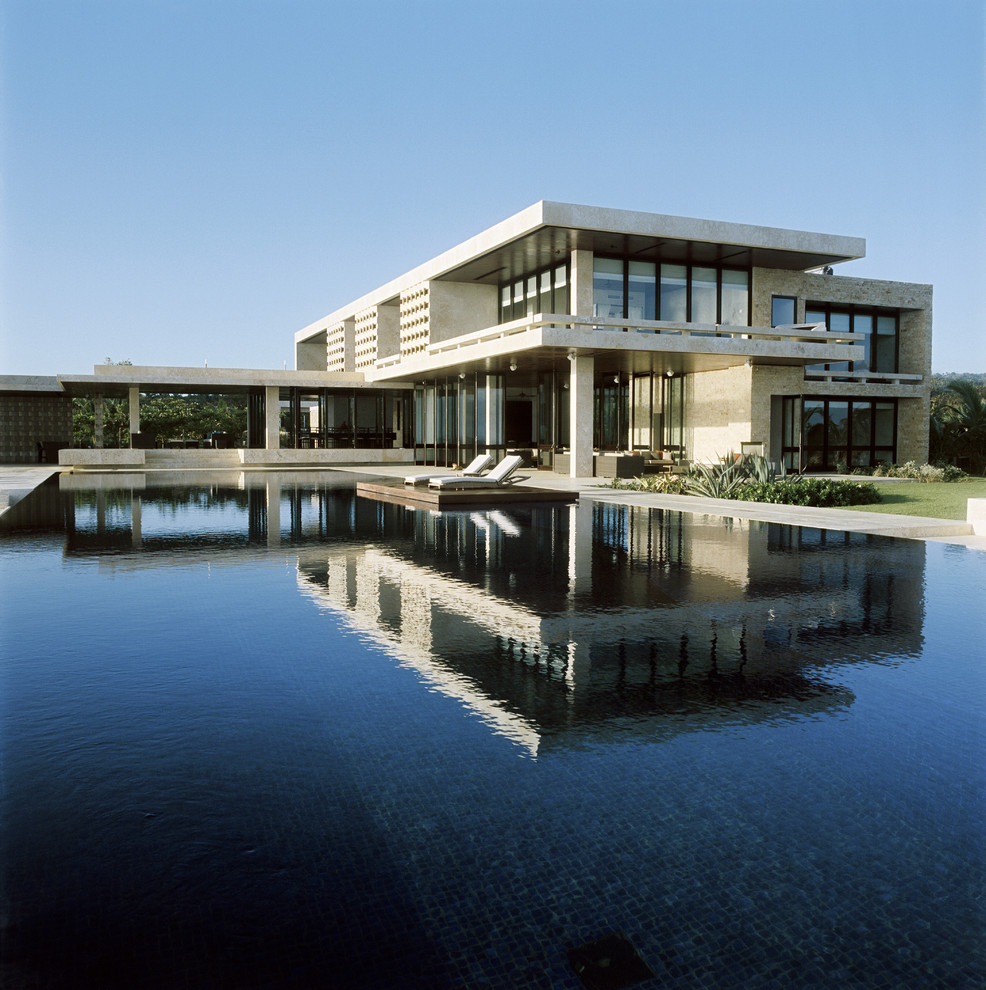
(259, 732)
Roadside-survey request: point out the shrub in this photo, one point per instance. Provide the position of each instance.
(658, 484)
(923, 472)
(817, 492)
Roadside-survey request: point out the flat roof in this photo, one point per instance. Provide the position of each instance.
(116, 379)
(30, 383)
(547, 232)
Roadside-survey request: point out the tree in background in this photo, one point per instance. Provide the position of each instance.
(163, 416)
(192, 417)
(116, 419)
(958, 422)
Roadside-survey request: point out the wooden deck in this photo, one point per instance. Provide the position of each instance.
(421, 496)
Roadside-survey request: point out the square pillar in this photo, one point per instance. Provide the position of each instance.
(272, 409)
(581, 288)
(134, 406)
(97, 417)
(580, 415)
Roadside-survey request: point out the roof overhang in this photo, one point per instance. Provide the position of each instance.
(547, 232)
(117, 380)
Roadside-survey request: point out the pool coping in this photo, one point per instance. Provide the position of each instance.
(16, 481)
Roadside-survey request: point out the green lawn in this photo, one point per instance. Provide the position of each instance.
(939, 499)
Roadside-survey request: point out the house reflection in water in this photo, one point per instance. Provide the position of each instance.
(555, 624)
(599, 620)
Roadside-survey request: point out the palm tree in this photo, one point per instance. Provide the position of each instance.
(966, 422)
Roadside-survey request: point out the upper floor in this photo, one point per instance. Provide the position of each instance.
(666, 294)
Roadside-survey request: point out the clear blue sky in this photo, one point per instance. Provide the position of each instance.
(195, 180)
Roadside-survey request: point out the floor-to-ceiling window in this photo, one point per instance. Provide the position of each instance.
(828, 434)
(879, 329)
(607, 288)
(541, 291)
(611, 413)
(674, 414)
(642, 290)
(456, 418)
(334, 418)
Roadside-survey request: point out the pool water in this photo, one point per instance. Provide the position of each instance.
(260, 732)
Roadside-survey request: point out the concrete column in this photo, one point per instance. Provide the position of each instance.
(97, 431)
(580, 415)
(272, 406)
(581, 288)
(134, 405)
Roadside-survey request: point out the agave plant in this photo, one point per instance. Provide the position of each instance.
(756, 467)
(715, 480)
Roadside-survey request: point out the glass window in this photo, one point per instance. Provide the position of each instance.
(506, 308)
(883, 435)
(703, 295)
(642, 291)
(642, 413)
(735, 298)
(813, 419)
(863, 323)
(518, 299)
(560, 280)
(862, 415)
(838, 426)
(839, 323)
(531, 303)
(607, 288)
(885, 345)
(544, 296)
(674, 293)
(783, 311)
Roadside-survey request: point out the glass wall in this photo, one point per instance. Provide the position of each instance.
(879, 328)
(674, 293)
(642, 290)
(611, 414)
(829, 434)
(542, 291)
(333, 418)
(674, 414)
(735, 307)
(703, 296)
(455, 419)
(607, 288)
(629, 290)
(645, 426)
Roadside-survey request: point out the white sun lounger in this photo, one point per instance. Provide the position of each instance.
(477, 466)
(497, 478)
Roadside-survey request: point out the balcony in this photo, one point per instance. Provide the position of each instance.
(680, 346)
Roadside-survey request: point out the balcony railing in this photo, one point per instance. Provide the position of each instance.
(678, 335)
(862, 377)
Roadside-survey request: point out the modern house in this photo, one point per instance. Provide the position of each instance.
(580, 333)
(591, 339)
